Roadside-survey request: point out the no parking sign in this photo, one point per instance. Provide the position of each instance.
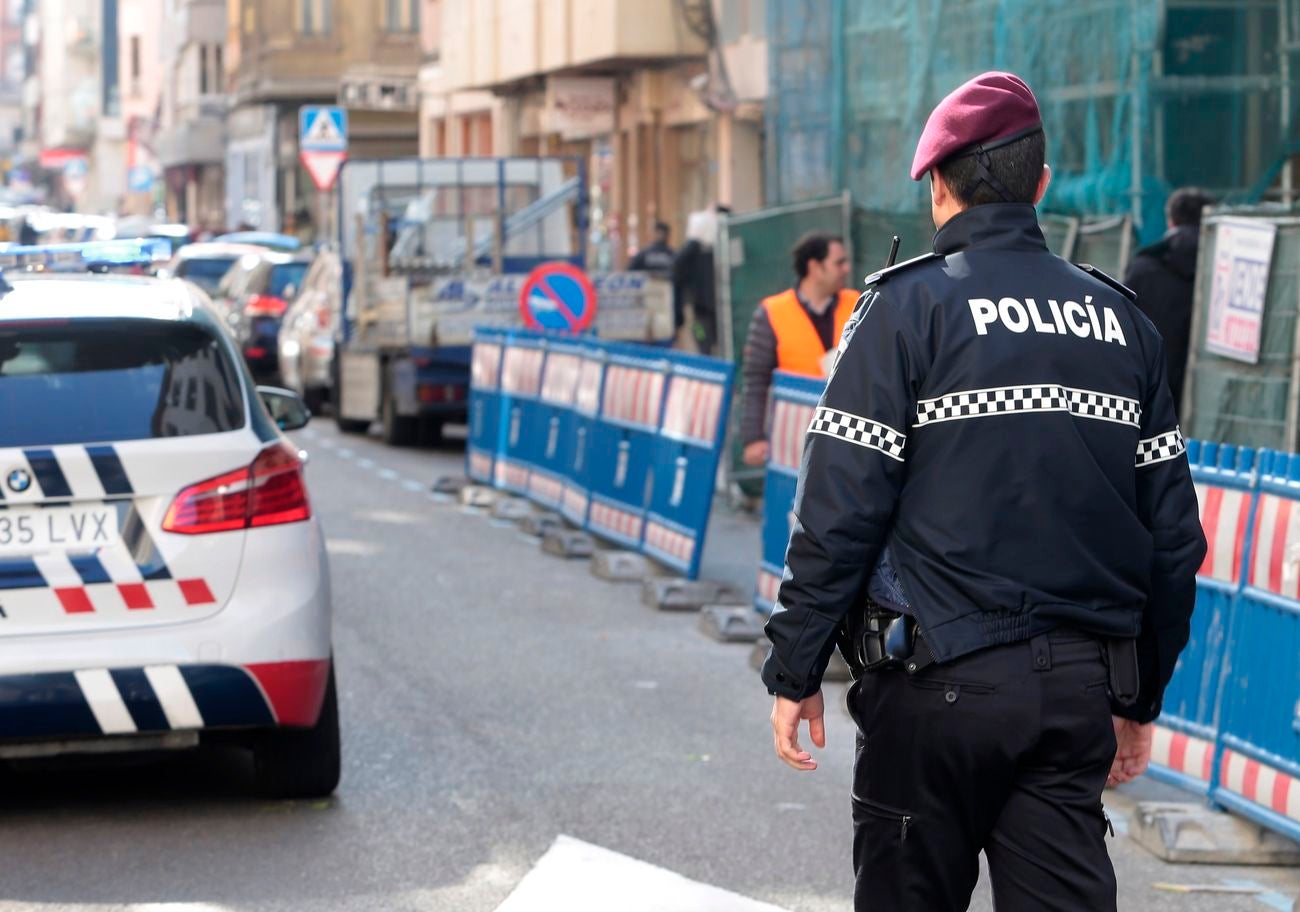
(558, 297)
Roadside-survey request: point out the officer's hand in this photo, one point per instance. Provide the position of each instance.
(1133, 750)
(755, 453)
(786, 716)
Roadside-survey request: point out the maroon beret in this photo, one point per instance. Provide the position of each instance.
(991, 110)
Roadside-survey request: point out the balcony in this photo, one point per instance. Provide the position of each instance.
(199, 137)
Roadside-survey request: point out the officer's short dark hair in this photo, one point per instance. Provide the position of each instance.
(815, 245)
(1018, 165)
(1185, 204)
(662, 228)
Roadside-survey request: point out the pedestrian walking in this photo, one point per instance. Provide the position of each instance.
(693, 281)
(796, 331)
(1163, 276)
(657, 258)
(998, 426)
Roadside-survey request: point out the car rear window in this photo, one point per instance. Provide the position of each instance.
(91, 381)
(205, 272)
(285, 274)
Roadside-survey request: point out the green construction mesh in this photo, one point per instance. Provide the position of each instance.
(1236, 402)
(1138, 96)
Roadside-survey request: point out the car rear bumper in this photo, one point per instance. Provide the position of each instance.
(261, 660)
(97, 702)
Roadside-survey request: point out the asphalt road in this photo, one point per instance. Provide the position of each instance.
(493, 698)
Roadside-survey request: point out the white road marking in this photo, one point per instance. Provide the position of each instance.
(366, 463)
(388, 475)
(105, 701)
(1265, 896)
(344, 453)
(351, 546)
(579, 877)
(413, 486)
(174, 695)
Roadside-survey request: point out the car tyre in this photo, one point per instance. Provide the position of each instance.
(301, 762)
(398, 430)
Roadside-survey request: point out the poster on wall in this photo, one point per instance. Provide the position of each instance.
(1243, 253)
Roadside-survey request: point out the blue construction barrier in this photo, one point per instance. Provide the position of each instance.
(791, 404)
(685, 459)
(521, 410)
(483, 442)
(622, 439)
(1230, 729)
(554, 423)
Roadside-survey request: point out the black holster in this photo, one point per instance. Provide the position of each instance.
(1122, 670)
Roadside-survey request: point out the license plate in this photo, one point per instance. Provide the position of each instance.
(57, 529)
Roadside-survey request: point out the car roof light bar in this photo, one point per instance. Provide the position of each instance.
(91, 255)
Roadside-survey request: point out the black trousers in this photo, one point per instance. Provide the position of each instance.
(1004, 751)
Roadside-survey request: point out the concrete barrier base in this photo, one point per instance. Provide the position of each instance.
(479, 496)
(451, 485)
(1191, 832)
(538, 524)
(687, 595)
(622, 566)
(731, 623)
(568, 543)
(511, 509)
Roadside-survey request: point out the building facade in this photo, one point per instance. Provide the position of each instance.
(364, 54)
(191, 135)
(661, 99)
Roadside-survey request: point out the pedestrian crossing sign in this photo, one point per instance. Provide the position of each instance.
(322, 128)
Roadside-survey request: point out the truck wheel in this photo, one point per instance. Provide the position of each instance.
(430, 432)
(301, 762)
(398, 430)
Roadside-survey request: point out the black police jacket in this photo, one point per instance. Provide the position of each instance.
(1001, 419)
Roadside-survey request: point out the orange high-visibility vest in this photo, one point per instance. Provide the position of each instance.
(798, 346)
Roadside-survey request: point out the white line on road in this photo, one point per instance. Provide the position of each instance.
(1265, 896)
(579, 877)
(344, 453)
(366, 463)
(413, 486)
(388, 475)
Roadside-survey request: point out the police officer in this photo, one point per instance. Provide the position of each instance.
(995, 459)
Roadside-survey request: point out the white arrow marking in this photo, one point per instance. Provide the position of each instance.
(579, 877)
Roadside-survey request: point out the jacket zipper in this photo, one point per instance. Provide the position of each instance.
(907, 821)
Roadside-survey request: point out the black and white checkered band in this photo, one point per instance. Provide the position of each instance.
(1161, 448)
(1035, 398)
(863, 431)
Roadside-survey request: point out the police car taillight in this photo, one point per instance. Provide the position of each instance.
(269, 492)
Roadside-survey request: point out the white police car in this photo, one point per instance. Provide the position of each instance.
(162, 578)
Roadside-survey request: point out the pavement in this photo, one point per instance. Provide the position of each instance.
(518, 735)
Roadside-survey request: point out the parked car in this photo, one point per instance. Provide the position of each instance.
(254, 295)
(205, 264)
(306, 343)
(164, 579)
(285, 243)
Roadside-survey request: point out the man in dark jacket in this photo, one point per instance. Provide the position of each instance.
(657, 258)
(1162, 276)
(997, 440)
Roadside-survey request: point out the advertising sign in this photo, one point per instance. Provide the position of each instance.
(1243, 254)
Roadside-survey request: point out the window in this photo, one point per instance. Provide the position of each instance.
(98, 380)
(219, 68)
(203, 69)
(402, 16)
(135, 58)
(315, 17)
